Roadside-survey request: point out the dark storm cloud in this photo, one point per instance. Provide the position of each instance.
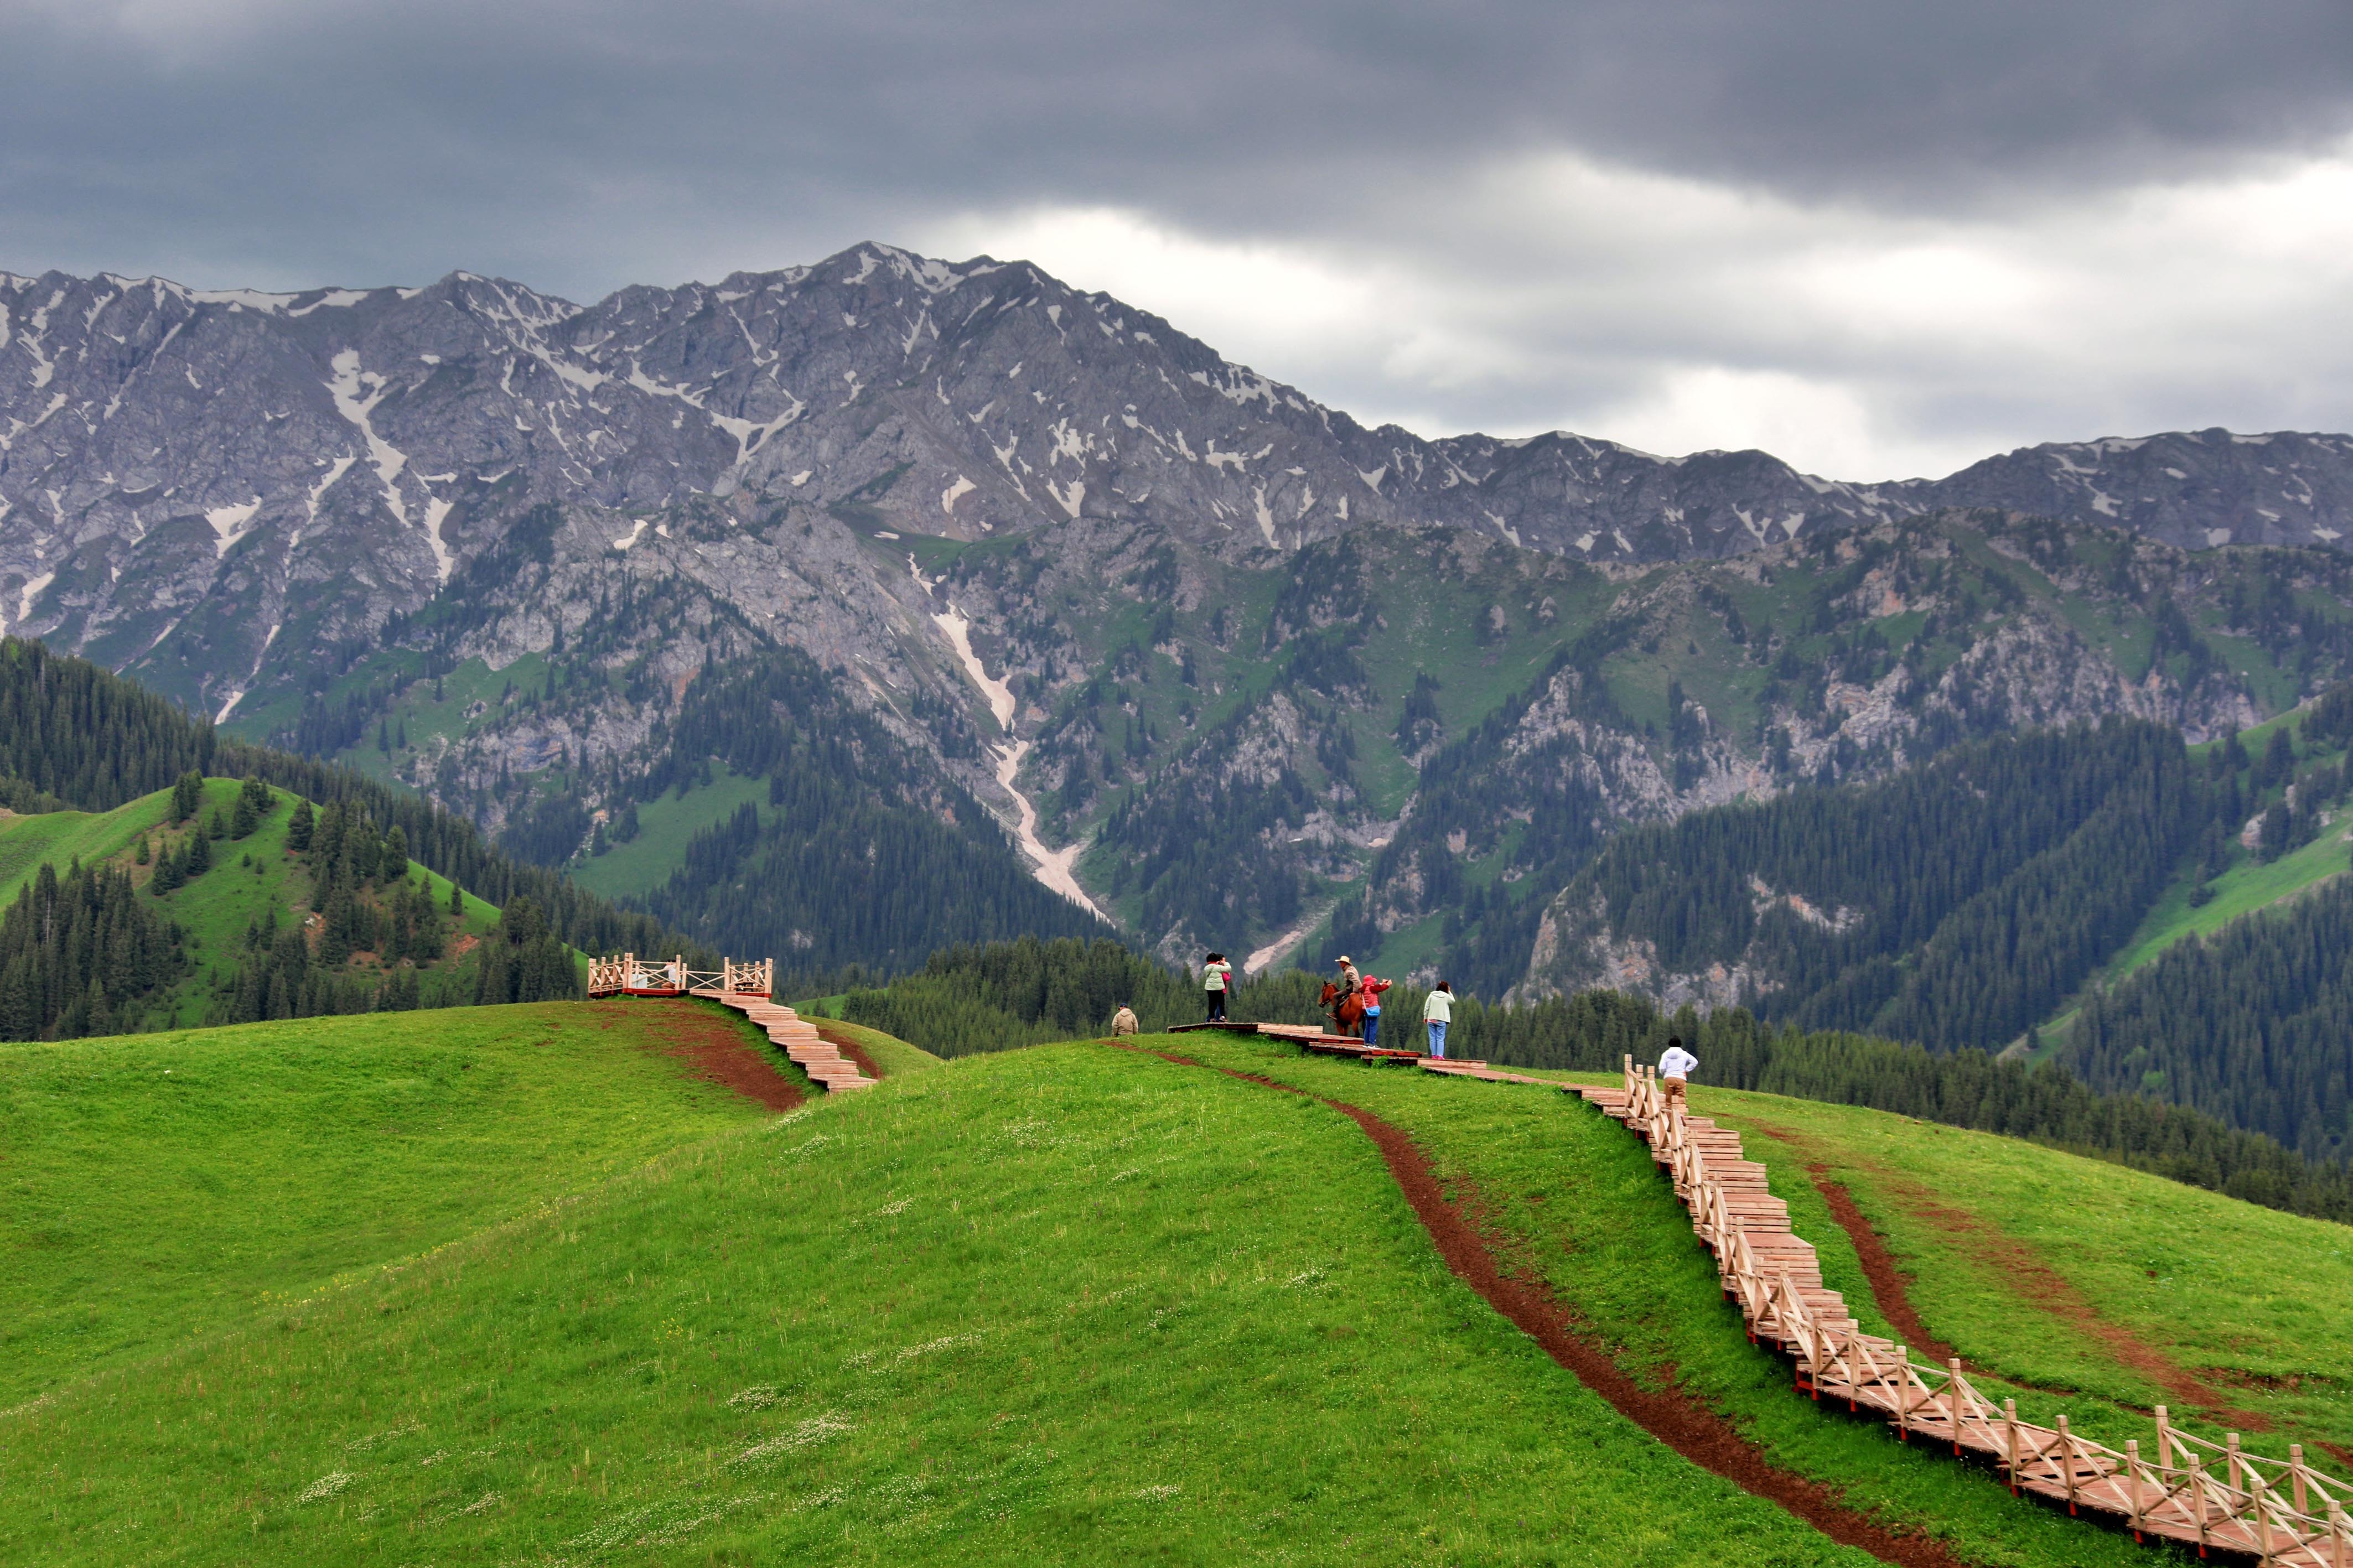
(577, 145)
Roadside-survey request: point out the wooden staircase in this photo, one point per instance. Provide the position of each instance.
(2214, 1496)
(822, 1060)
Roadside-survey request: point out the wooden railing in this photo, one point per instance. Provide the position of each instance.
(2191, 1490)
(630, 975)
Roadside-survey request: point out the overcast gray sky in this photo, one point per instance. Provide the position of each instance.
(1881, 240)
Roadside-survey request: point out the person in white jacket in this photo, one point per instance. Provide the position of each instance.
(1675, 1068)
(1438, 1011)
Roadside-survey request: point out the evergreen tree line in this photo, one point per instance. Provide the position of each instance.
(1953, 904)
(861, 855)
(1006, 995)
(2248, 1024)
(82, 955)
(76, 732)
(992, 997)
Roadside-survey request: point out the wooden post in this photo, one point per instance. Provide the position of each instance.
(2164, 1437)
(2262, 1514)
(2340, 1534)
(2296, 1474)
(1903, 1394)
(2132, 1476)
(2009, 1439)
(2197, 1496)
(1953, 1401)
(2231, 1442)
(2067, 1462)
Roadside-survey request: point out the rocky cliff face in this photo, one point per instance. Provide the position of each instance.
(1198, 599)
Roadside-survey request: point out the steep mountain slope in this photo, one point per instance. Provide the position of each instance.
(1196, 635)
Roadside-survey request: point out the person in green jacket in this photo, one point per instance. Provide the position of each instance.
(1438, 1011)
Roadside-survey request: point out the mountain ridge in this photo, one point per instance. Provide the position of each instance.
(1070, 563)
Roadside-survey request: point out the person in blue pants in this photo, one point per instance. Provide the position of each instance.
(1372, 1017)
(1438, 1012)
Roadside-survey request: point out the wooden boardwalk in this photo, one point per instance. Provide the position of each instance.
(747, 988)
(2212, 1496)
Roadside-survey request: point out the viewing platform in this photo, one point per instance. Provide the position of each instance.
(749, 988)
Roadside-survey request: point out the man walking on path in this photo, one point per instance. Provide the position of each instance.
(1214, 974)
(1675, 1067)
(1438, 1011)
(1125, 1021)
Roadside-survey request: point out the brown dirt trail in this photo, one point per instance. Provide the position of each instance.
(1673, 1417)
(2027, 1274)
(717, 1048)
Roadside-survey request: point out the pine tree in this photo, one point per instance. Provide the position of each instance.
(394, 866)
(187, 795)
(300, 827)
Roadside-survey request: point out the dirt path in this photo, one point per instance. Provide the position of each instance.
(2023, 1271)
(1888, 1280)
(1673, 1417)
(715, 1046)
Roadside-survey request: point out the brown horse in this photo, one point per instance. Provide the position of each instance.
(1345, 1009)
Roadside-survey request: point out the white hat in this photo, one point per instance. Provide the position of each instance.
(1342, 959)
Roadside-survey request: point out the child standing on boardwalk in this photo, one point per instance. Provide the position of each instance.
(1438, 1012)
(1215, 972)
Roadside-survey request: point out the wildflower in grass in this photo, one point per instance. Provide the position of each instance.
(325, 1487)
(759, 1396)
(1157, 1494)
(807, 1434)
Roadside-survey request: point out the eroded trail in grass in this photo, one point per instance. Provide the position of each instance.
(1673, 1417)
(718, 1048)
(2026, 1274)
(1579, 1228)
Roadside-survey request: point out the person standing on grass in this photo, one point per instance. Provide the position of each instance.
(1675, 1068)
(1215, 973)
(1438, 1011)
(1125, 1021)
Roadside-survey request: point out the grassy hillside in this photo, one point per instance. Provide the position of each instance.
(892, 1053)
(666, 826)
(2201, 899)
(1575, 1199)
(254, 883)
(1063, 1304)
(1068, 1304)
(162, 1188)
(2064, 1273)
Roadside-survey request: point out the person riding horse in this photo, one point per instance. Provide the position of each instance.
(1344, 1000)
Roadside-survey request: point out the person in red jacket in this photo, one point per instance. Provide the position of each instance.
(1373, 987)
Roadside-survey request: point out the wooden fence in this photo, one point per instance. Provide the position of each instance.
(2186, 1488)
(630, 975)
